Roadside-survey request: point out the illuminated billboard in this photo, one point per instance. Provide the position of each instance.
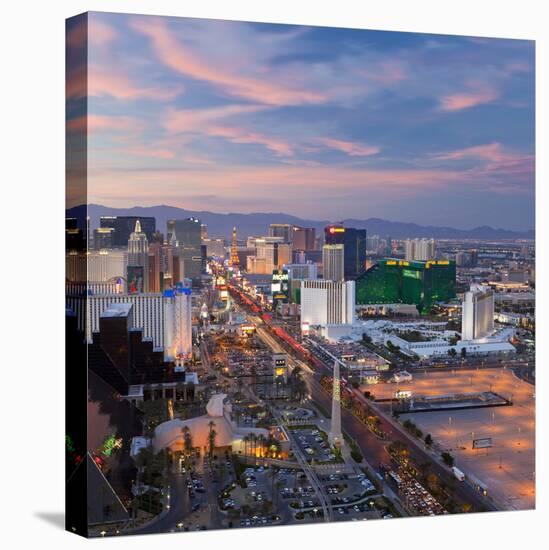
(280, 286)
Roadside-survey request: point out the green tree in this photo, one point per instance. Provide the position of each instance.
(187, 440)
(447, 458)
(211, 438)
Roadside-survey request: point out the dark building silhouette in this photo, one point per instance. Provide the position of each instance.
(354, 244)
(124, 226)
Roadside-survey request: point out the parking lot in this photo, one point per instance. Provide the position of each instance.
(314, 444)
(506, 469)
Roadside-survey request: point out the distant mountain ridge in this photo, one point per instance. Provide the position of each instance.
(256, 223)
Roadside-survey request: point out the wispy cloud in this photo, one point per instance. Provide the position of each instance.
(117, 123)
(182, 59)
(241, 135)
(106, 81)
(100, 33)
(351, 148)
(466, 100)
(489, 151)
(195, 120)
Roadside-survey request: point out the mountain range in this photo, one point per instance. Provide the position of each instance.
(256, 223)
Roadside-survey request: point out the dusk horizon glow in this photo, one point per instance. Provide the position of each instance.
(319, 123)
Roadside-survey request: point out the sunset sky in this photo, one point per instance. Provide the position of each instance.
(318, 122)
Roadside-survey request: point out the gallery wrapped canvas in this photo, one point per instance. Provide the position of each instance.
(300, 275)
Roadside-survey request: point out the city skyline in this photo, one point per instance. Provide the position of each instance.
(335, 318)
(341, 123)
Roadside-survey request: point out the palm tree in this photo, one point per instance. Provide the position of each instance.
(187, 440)
(261, 439)
(211, 437)
(253, 439)
(246, 440)
(273, 447)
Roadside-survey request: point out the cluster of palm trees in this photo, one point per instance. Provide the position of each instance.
(260, 446)
(298, 387)
(187, 440)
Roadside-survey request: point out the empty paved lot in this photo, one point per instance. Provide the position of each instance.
(507, 469)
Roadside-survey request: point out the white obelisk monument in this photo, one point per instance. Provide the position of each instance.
(335, 437)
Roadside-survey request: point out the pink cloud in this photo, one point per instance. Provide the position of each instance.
(195, 120)
(208, 122)
(116, 123)
(108, 82)
(181, 59)
(99, 33)
(466, 100)
(241, 135)
(500, 165)
(490, 151)
(351, 148)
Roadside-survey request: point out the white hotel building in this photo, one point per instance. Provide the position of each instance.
(177, 323)
(166, 319)
(327, 302)
(477, 313)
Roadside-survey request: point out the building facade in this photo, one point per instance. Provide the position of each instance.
(187, 232)
(393, 281)
(477, 320)
(333, 262)
(177, 305)
(138, 260)
(303, 238)
(282, 230)
(147, 313)
(420, 250)
(327, 302)
(354, 243)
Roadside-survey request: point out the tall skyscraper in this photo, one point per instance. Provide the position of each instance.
(420, 250)
(124, 226)
(103, 238)
(187, 233)
(333, 262)
(138, 260)
(203, 231)
(335, 436)
(270, 253)
(169, 264)
(234, 249)
(177, 323)
(372, 244)
(327, 302)
(282, 230)
(215, 246)
(354, 242)
(75, 240)
(303, 238)
(477, 319)
(156, 273)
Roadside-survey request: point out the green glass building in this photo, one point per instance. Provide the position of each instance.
(393, 281)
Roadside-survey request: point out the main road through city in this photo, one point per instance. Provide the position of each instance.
(372, 447)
